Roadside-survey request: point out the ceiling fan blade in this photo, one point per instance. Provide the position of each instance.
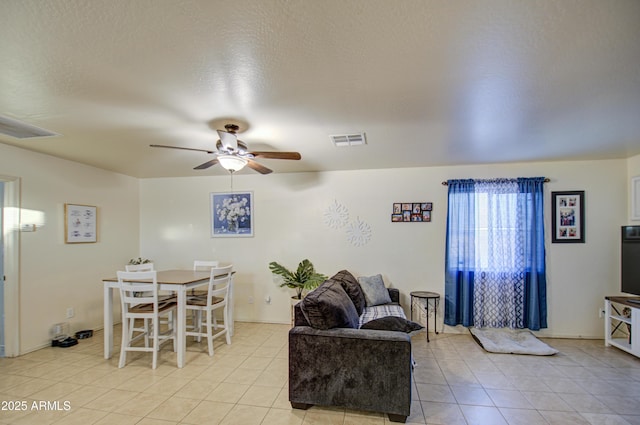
(178, 147)
(206, 164)
(277, 155)
(258, 167)
(229, 140)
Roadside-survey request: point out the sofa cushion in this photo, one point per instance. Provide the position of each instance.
(393, 323)
(374, 290)
(352, 288)
(329, 306)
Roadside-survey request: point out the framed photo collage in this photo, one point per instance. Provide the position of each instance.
(414, 212)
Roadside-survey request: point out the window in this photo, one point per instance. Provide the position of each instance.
(496, 234)
(495, 272)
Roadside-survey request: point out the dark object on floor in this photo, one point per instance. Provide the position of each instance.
(64, 343)
(84, 334)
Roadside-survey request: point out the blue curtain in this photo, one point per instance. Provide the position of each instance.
(495, 260)
(532, 213)
(460, 253)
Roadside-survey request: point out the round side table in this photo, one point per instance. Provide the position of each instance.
(425, 295)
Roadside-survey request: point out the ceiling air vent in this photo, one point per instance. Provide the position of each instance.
(22, 130)
(343, 140)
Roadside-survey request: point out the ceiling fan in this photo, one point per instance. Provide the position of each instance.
(233, 154)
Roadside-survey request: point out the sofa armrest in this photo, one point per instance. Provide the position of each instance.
(355, 368)
(298, 317)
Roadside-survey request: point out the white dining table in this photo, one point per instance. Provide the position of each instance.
(178, 281)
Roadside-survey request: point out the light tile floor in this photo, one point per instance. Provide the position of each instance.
(245, 383)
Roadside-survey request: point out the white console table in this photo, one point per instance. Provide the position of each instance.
(614, 320)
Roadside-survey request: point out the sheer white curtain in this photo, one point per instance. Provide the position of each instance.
(499, 287)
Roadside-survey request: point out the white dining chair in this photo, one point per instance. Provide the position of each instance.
(202, 266)
(162, 296)
(146, 307)
(145, 267)
(206, 265)
(217, 298)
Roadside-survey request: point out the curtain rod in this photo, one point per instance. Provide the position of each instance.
(445, 183)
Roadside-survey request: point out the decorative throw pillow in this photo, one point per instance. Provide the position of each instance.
(393, 323)
(352, 288)
(374, 290)
(328, 307)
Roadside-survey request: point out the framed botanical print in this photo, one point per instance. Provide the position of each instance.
(80, 223)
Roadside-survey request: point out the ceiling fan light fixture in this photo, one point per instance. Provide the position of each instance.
(228, 140)
(233, 154)
(231, 162)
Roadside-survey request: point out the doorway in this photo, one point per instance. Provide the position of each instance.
(9, 266)
(2, 354)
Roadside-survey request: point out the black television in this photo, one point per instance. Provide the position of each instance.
(630, 264)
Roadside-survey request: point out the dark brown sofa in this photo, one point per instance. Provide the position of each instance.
(361, 369)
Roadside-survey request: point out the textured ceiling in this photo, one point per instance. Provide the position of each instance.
(430, 82)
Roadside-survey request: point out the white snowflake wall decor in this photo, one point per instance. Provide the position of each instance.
(336, 215)
(358, 232)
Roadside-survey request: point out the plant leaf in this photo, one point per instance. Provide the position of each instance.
(288, 277)
(305, 276)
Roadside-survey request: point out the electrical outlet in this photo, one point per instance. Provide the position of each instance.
(70, 313)
(601, 312)
(267, 299)
(250, 300)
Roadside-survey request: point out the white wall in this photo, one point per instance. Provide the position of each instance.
(55, 275)
(289, 227)
(168, 220)
(634, 166)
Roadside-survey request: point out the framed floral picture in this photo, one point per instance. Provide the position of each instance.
(567, 217)
(232, 215)
(80, 223)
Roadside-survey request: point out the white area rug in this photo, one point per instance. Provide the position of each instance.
(511, 341)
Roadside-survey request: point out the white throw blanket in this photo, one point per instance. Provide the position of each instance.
(378, 311)
(512, 341)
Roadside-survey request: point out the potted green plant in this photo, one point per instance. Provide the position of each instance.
(304, 278)
(139, 260)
